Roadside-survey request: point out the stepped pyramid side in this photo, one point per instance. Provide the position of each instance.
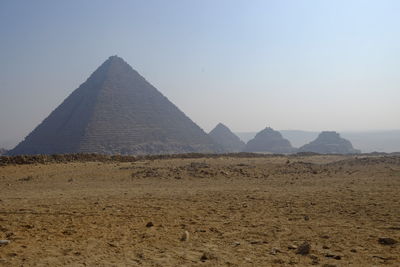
(223, 136)
(329, 142)
(269, 141)
(116, 111)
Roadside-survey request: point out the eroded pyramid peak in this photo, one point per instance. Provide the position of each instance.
(223, 136)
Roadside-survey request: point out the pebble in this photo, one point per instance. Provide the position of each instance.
(274, 251)
(4, 242)
(207, 256)
(185, 236)
(149, 224)
(387, 241)
(336, 257)
(303, 249)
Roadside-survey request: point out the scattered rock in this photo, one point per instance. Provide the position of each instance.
(185, 236)
(4, 242)
(149, 224)
(26, 179)
(303, 249)
(274, 251)
(257, 242)
(315, 260)
(353, 250)
(224, 173)
(292, 247)
(69, 232)
(336, 257)
(387, 241)
(236, 244)
(384, 258)
(198, 165)
(306, 218)
(278, 261)
(207, 256)
(111, 244)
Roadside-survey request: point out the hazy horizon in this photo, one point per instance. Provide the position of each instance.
(303, 65)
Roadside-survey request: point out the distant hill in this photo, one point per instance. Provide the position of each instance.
(375, 141)
(3, 151)
(116, 111)
(329, 142)
(223, 136)
(367, 141)
(269, 141)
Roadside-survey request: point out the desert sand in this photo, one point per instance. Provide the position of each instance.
(221, 211)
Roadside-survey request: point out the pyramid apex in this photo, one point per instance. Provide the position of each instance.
(116, 58)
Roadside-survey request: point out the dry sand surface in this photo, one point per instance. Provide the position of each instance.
(226, 211)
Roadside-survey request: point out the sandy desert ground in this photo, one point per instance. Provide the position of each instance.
(224, 211)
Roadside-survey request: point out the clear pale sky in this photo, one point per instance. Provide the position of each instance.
(308, 65)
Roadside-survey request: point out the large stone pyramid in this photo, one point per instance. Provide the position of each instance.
(329, 142)
(223, 136)
(269, 141)
(116, 111)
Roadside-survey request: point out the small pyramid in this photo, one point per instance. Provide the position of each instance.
(269, 141)
(116, 111)
(329, 142)
(223, 136)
